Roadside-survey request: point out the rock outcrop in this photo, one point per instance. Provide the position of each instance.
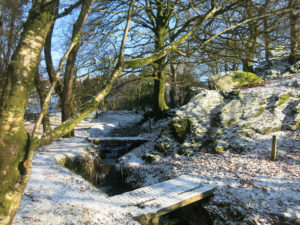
(238, 124)
(229, 80)
(216, 121)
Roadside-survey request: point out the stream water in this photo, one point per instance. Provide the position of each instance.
(112, 179)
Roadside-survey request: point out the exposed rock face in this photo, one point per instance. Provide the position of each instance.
(231, 80)
(217, 121)
(252, 189)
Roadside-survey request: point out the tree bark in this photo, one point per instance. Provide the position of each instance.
(160, 37)
(49, 63)
(159, 104)
(252, 40)
(294, 32)
(20, 78)
(173, 91)
(42, 96)
(67, 97)
(268, 53)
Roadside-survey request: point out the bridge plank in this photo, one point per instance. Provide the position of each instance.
(99, 140)
(149, 203)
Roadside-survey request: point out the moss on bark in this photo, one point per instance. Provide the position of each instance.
(13, 137)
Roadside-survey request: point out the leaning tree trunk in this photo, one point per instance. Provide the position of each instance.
(42, 96)
(49, 63)
(67, 98)
(13, 101)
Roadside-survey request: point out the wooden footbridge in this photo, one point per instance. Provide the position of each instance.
(147, 204)
(120, 140)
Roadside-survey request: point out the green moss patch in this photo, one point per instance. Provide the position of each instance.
(149, 158)
(181, 127)
(244, 78)
(161, 146)
(259, 112)
(282, 99)
(268, 130)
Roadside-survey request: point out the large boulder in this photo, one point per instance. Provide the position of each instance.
(233, 79)
(217, 121)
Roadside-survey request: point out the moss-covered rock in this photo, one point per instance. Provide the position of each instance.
(230, 113)
(181, 127)
(260, 110)
(282, 99)
(232, 79)
(162, 147)
(185, 152)
(150, 158)
(243, 78)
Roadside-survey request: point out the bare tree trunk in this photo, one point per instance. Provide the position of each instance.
(252, 42)
(67, 103)
(268, 53)
(42, 96)
(49, 63)
(159, 73)
(13, 100)
(250, 53)
(294, 32)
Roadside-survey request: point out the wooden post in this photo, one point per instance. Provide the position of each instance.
(274, 148)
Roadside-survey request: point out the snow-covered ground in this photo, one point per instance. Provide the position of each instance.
(55, 195)
(251, 189)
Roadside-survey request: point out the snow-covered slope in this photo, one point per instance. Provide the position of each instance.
(239, 125)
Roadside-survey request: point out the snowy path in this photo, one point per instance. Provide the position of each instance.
(55, 195)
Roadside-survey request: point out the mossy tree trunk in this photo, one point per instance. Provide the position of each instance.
(159, 72)
(67, 97)
(13, 101)
(159, 104)
(294, 32)
(164, 13)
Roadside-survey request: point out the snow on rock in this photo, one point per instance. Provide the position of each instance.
(217, 121)
(239, 124)
(232, 79)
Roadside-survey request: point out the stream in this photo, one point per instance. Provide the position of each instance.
(112, 179)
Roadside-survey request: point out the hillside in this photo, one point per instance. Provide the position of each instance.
(225, 137)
